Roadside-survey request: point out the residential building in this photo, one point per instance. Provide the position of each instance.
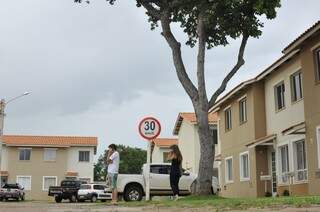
(162, 148)
(269, 125)
(188, 140)
(37, 162)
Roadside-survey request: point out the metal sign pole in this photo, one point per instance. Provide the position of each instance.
(148, 172)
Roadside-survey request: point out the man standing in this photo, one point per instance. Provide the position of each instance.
(113, 169)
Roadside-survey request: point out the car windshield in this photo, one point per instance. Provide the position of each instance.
(13, 186)
(84, 187)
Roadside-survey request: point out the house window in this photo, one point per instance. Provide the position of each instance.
(243, 110)
(24, 154)
(244, 166)
(229, 170)
(165, 157)
(49, 181)
(284, 157)
(300, 160)
(279, 96)
(214, 134)
(296, 86)
(317, 55)
(50, 154)
(84, 156)
(227, 114)
(25, 182)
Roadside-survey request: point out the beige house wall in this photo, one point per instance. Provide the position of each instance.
(233, 143)
(36, 168)
(312, 112)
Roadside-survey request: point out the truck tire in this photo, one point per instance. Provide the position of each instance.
(94, 198)
(133, 193)
(73, 198)
(58, 199)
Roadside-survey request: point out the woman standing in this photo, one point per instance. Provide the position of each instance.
(175, 174)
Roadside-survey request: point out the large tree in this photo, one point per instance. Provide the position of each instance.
(207, 23)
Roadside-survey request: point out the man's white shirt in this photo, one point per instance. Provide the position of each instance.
(114, 166)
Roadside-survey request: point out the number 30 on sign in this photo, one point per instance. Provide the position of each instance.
(149, 128)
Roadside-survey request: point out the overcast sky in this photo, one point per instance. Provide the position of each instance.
(96, 70)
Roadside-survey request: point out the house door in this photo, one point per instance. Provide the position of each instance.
(274, 173)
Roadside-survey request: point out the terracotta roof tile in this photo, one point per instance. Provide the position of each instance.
(165, 142)
(191, 117)
(28, 140)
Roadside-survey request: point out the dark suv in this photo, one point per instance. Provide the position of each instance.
(12, 191)
(67, 190)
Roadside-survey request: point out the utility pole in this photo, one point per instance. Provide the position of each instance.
(2, 114)
(3, 104)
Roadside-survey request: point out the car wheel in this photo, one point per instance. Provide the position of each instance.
(133, 193)
(73, 198)
(93, 198)
(58, 199)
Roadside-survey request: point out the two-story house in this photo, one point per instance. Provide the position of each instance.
(188, 140)
(37, 162)
(162, 148)
(268, 136)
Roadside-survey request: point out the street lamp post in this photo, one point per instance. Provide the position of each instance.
(3, 105)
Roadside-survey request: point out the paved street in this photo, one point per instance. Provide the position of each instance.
(89, 207)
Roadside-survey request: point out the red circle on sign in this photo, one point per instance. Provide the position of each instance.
(150, 134)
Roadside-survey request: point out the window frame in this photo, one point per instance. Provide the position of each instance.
(295, 158)
(83, 161)
(43, 180)
(44, 154)
(318, 144)
(25, 176)
(317, 64)
(242, 178)
(227, 176)
(294, 95)
(227, 126)
(30, 149)
(281, 173)
(245, 116)
(276, 96)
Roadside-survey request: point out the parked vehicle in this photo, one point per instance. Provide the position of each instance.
(93, 192)
(12, 191)
(68, 189)
(132, 186)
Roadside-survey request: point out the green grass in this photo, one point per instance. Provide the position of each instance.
(230, 203)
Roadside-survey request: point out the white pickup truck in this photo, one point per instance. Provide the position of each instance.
(132, 186)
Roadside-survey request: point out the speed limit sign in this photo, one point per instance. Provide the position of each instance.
(149, 128)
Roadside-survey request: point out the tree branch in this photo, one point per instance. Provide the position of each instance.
(147, 4)
(177, 58)
(234, 70)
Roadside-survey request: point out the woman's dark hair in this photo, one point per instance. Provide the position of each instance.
(176, 151)
(112, 146)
